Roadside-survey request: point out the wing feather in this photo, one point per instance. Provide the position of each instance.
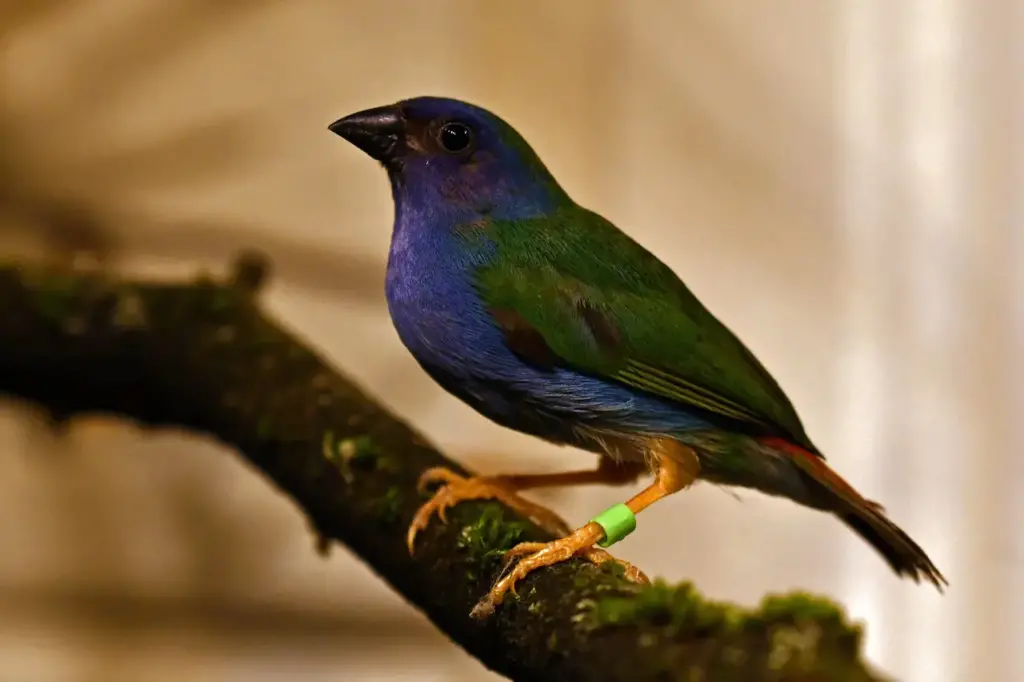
(573, 289)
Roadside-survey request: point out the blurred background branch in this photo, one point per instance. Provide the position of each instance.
(202, 357)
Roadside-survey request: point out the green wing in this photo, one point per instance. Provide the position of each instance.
(572, 289)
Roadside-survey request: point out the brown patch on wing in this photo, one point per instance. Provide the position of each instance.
(474, 226)
(523, 339)
(601, 327)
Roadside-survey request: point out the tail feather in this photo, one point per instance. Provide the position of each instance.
(864, 517)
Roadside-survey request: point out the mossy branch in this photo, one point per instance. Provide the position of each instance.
(202, 356)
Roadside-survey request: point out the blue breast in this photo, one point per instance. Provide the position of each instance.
(444, 324)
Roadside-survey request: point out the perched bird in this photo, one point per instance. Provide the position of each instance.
(547, 319)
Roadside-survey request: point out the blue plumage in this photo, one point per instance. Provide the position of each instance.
(441, 319)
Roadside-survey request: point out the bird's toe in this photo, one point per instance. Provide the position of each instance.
(436, 475)
(535, 555)
(598, 557)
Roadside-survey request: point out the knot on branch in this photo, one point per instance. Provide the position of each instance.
(250, 271)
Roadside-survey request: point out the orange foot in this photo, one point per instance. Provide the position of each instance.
(540, 554)
(458, 488)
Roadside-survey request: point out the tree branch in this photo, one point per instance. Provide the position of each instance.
(202, 356)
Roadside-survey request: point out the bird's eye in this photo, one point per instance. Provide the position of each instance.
(455, 137)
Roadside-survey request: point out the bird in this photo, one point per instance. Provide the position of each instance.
(547, 319)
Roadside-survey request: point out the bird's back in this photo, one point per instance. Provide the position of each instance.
(665, 341)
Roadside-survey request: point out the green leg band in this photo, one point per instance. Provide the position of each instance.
(617, 522)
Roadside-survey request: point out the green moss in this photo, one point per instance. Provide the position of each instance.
(682, 609)
(211, 294)
(262, 338)
(264, 428)
(800, 610)
(389, 507)
(490, 535)
(358, 449)
(581, 580)
(57, 296)
(222, 298)
(677, 608)
(355, 452)
(801, 606)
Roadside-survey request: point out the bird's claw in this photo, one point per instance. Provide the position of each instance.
(456, 488)
(536, 555)
(436, 475)
(598, 556)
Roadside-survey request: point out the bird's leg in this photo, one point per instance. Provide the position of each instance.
(677, 467)
(456, 488)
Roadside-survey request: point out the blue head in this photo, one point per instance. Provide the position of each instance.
(448, 158)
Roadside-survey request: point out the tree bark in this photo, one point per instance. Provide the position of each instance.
(201, 356)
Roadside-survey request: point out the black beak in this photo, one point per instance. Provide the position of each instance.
(379, 131)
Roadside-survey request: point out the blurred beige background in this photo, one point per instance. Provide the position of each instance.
(839, 181)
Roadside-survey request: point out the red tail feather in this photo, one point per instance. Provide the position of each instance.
(864, 517)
